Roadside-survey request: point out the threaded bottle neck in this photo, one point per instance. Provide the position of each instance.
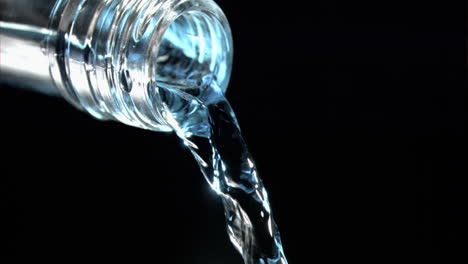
(111, 56)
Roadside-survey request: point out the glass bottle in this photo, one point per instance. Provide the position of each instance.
(106, 57)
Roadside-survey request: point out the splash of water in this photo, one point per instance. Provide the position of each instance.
(202, 117)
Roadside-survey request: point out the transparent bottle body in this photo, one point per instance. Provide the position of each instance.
(23, 33)
(109, 57)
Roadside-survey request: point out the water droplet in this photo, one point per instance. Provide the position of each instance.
(89, 58)
(126, 81)
(108, 61)
(162, 58)
(43, 45)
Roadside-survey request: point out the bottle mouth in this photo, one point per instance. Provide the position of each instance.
(195, 47)
(193, 44)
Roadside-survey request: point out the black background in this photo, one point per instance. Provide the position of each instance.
(354, 113)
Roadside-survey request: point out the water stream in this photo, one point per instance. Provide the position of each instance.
(203, 118)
